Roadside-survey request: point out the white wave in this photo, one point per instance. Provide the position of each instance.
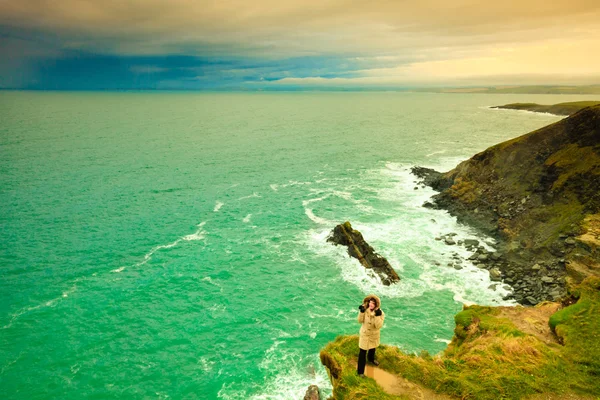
(337, 193)
(307, 202)
(276, 187)
(310, 214)
(205, 364)
(48, 303)
(447, 163)
(218, 206)
(253, 195)
(440, 340)
(11, 363)
(406, 237)
(353, 272)
(298, 183)
(545, 114)
(209, 280)
(295, 373)
(217, 308)
(435, 152)
(295, 378)
(199, 234)
(296, 257)
(247, 218)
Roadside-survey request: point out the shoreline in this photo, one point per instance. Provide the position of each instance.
(517, 272)
(538, 196)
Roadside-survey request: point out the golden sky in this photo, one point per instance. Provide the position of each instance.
(374, 42)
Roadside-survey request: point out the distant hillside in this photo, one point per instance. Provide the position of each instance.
(585, 89)
(557, 109)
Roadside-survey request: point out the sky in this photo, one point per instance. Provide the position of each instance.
(296, 44)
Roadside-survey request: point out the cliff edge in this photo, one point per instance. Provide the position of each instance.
(539, 195)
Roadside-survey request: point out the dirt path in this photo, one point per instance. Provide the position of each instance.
(398, 386)
(533, 320)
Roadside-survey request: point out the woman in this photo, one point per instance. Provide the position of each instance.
(371, 317)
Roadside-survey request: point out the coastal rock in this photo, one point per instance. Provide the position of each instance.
(471, 242)
(312, 393)
(358, 248)
(431, 177)
(495, 274)
(531, 300)
(495, 256)
(533, 195)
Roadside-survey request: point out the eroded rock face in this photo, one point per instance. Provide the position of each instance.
(312, 393)
(358, 248)
(536, 195)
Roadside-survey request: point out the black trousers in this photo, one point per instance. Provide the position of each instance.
(362, 359)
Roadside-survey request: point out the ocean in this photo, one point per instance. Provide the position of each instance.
(173, 245)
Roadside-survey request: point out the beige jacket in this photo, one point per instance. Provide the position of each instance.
(371, 324)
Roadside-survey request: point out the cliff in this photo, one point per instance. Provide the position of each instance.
(539, 195)
(557, 109)
(531, 353)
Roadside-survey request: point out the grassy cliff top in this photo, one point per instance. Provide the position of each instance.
(496, 353)
(557, 109)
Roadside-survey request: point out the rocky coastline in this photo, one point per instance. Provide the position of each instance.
(538, 196)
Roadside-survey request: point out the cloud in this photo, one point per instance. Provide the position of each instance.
(252, 42)
(295, 28)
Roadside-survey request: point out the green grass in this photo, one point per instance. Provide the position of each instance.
(578, 327)
(489, 358)
(339, 357)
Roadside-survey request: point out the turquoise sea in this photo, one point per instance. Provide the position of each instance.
(173, 245)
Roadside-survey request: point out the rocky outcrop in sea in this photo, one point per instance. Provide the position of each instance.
(312, 393)
(358, 248)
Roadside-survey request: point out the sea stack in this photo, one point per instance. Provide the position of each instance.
(358, 248)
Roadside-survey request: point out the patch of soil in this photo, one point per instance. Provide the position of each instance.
(533, 320)
(398, 386)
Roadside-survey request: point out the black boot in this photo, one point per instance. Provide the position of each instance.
(371, 357)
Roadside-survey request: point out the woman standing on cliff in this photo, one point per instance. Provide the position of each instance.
(371, 317)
